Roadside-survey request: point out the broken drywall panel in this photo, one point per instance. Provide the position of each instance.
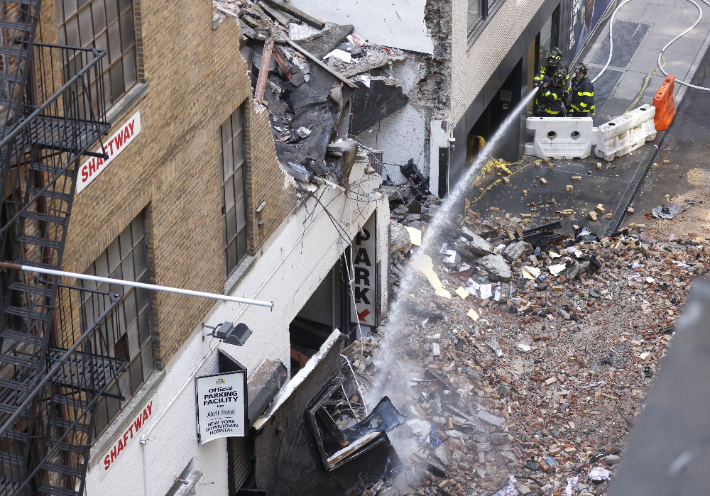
(439, 138)
(400, 25)
(402, 137)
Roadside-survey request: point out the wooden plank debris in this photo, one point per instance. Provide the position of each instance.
(264, 70)
(297, 13)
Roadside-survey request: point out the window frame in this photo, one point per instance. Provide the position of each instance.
(88, 17)
(488, 10)
(237, 154)
(135, 304)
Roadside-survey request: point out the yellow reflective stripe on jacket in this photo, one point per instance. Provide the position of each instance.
(583, 104)
(585, 93)
(551, 93)
(552, 111)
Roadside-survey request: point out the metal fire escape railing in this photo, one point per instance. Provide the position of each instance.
(45, 443)
(56, 342)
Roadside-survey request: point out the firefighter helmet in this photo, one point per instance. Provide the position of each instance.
(581, 67)
(558, 78)
(556, 52)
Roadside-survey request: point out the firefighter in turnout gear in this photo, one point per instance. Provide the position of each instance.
(581, 101)
(554, 62)
(551, 97)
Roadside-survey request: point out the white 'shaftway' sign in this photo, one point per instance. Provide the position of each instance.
(115, 145)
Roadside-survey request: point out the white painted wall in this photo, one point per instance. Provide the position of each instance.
(287, 272)
(402, 135)
(399, 25)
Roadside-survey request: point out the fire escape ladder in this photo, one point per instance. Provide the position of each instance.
(56, 341)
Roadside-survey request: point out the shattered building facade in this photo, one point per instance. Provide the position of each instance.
(436, 76)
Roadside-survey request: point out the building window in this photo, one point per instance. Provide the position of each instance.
(234, 200)
(126, 258)
(475, 13)
(106, 25)
(478, 11)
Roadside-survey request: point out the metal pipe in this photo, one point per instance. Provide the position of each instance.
(121, 282)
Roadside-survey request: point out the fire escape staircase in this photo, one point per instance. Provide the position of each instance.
(56, 340)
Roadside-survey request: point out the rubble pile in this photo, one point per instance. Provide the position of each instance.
(300, 69)
(527, 352)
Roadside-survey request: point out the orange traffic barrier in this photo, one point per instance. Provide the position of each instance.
(664, 103)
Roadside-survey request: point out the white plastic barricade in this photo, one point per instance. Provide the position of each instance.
(561, 137)
(626, 133)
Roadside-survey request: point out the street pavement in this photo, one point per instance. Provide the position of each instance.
(685, 147)
(641, 29)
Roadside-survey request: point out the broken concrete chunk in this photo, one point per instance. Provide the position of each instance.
(443, 455)
(326, 41)
(496, 266)
(400, 239)
(477, 244)
(630, 210)
(515, 250)
(570, 188)
(491, 419)
(543, 181)
(576, 178)
(592, 216)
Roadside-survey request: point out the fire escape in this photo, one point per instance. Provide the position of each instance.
(56, 339)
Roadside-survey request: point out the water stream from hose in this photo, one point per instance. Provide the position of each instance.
(391, 379)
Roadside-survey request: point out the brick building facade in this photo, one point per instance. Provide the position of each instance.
(178, 94)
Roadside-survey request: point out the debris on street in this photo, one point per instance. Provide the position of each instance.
(528, 380)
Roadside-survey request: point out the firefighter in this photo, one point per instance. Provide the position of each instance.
(554, 62)
(551, 97)
(582, 93)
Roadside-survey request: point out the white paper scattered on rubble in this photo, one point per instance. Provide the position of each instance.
(435, 349)
(462, 292)
(509, 490)
(450, 256)
(472, 313)
(571, 484)
(524, 348)
(444, 248)
(556, 269)
(486, 291)
(571, 249)
(473, 287)
(644, 355)
(339, 54)
(599, 474)
(553, 254)
(497, 295)
(650, 280)
(415, 235)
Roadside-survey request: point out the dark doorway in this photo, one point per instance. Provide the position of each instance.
(502, 105)
(326, 309)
